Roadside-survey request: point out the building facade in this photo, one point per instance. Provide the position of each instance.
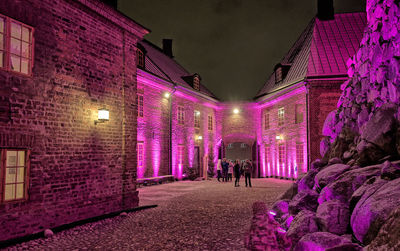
(64, 63)
(303, 88)
(61, 62)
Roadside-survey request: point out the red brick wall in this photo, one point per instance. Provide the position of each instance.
(83, 62)
(323, 98)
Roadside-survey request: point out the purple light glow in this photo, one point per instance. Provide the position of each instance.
(281, 230)
(272, 213)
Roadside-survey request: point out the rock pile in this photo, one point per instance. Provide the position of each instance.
(349, 200)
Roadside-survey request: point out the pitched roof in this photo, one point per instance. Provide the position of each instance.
(321, 50)
(165, 67)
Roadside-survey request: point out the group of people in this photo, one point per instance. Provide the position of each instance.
(226, 168)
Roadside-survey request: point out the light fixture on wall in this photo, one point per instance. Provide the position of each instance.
(199, 137)
(103, 115)
(236, 111)
(279, 137)
(197, 113)
(167, 95)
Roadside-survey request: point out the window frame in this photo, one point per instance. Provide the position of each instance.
(196, 83)
(7, 47)
(181, 114)
(180, 154)
(140, 105)
(298, 110)
(3, 167)
(281, 116)
(140, 59)
(210, 124)
(281, 154)
(140, 153)
(299, 152)
(197, 119)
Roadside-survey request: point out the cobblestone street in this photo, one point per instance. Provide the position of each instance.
(198, 215)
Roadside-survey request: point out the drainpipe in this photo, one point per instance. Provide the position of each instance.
(308, 122)
(170, 131)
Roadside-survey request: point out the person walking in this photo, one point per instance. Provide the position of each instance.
(230, 170)
(248, 168)
(236, 170)
(225, 167)
(219, 169)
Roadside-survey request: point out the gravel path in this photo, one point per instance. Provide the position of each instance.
(199, 215)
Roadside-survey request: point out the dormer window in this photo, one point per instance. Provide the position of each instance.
(280, 72)
(139, 58)
(196, 83)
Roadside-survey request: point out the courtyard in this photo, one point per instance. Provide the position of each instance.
(191, 215)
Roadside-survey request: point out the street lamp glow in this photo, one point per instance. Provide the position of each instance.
(167, 95)
(236, 111)
(279, 137)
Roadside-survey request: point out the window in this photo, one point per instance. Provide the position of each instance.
(300, 154)
(281, 116)
(299, 114)
(196, 119)
(16, 46)
(210, 123)
(181, 150)
(268, 158)
(140, 58)
(15, 170)
(196, 83)
(140, 105)
(181, 115)
(282, 153)
(266, 120)
(140, 154)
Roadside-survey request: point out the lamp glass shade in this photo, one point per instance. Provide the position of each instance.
(104, 114)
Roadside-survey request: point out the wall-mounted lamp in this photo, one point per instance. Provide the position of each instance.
(279, 137)
(103, 116)
(167, 95)
(236, 111)
(197, 113)
(199, 137)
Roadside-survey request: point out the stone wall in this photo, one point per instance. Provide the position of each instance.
(373, 85)
(83, 61)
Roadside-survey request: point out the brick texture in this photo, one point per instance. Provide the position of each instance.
(83, 62)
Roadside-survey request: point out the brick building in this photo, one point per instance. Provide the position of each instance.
(63, 63)
(177, 127)
(303, 88)
(60, 63)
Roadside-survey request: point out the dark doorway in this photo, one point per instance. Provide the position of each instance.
(196, 161)
(238, 150)
(255, 154)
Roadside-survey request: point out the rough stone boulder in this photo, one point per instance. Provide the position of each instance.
(333, 216)
(304, 200)
(378, 135)
(390, 171)
(328, 175)
(304, 223)
(290, 193)
(372, 211)
(388, 237)
(370, 186)
(318, 165)
(344, 186)
(307, 182)
(346, 247)
(281, 208)
(320, 241)
(328, 128)
(265, 233)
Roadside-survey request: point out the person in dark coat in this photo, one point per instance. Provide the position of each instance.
(236, 170)
(225, 167)
(248, 168)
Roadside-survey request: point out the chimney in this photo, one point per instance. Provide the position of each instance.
(112, 3)
(167, 47)
(325, 10)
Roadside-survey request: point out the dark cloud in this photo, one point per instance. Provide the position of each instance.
(232, 44)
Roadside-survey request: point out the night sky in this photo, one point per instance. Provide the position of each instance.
(232, 44)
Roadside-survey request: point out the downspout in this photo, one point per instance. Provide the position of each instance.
(170, 131)
(308, 122)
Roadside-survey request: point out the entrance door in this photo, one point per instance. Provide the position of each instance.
(196, 161)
